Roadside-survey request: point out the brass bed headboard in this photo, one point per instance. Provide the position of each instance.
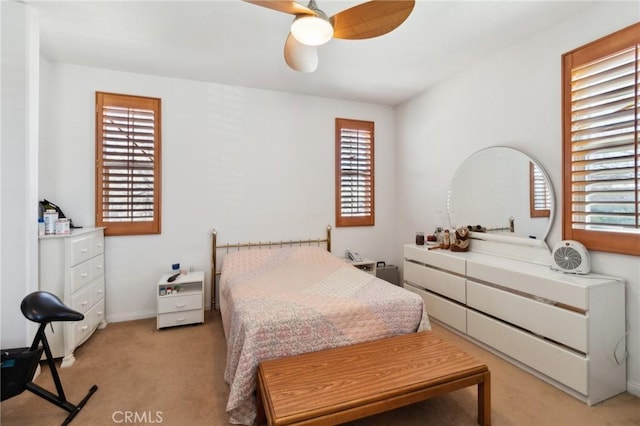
(271, 244)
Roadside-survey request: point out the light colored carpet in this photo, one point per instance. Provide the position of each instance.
(175, 377)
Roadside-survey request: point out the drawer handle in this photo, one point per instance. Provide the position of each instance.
(85, 303)
(98, 266)
(100, 291)
(84, 250)
(99, 314)
(180, 305)
(84, 275)
(99, 245)
(84, 328)
(180, 319)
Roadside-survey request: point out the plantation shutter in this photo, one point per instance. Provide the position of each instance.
(602, 153)
(127, 172)
(354, 172)
(540, 193)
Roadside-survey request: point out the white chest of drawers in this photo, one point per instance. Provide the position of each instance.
(568, 330)
(72, 267)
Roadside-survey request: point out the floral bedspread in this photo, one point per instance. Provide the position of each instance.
(282, 302)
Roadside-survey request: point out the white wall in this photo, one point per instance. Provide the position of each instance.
(511, 99)
(18, 171)
(255, 165)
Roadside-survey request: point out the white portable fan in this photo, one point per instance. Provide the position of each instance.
(570, 257)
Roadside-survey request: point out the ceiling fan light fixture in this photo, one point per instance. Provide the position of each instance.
(312, 30)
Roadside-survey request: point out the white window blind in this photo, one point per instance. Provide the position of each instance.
(604, 143)
(128, 178)
(354, 172)
(540, 192)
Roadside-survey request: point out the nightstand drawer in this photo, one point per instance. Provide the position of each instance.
(179, 303)
(180, 318)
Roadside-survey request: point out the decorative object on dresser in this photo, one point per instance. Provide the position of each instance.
(180, 300)
(71, 266)
(570, 257)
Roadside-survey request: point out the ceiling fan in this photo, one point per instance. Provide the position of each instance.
(311, 27)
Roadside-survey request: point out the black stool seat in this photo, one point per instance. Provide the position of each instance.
(19, 365)
(42, 307)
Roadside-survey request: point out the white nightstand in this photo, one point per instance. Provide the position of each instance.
(366, 265)
(182, 301)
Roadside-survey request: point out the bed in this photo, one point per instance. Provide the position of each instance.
(277, 302)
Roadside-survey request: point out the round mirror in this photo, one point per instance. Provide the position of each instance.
(502, 190)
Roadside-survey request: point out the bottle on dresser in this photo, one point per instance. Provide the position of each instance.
(50, 218)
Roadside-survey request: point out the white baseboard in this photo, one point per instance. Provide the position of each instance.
(633, 388)
(132, 316)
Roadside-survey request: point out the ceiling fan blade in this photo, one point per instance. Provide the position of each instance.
(371, 19)
(300, 57)
(289, 6)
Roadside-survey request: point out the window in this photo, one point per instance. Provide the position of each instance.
(601, 206)
(540, 194)
(127, 164)
(354, 173)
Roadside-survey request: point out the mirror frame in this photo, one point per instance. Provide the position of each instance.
(502, 236)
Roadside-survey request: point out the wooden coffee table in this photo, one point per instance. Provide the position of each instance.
(343, 384)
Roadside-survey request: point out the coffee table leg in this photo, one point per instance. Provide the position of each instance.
(484, 400)
(261, 418)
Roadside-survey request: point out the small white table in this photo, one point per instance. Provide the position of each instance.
(366, 265)
(182, 301)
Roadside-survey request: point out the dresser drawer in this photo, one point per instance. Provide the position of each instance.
(443, 283)
(441, 259)
(552, 360)
(97, 243)
(80, 276)
(179, 303)
(97, 267)
(80, 249)
(560, 325)
(81, 300)
(81, 330)
(180, 318)
(96, 314)
(443, 310)
(532, 278)
(97, 291)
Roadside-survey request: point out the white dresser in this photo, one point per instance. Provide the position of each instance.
(568, 330)
(72, 268)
